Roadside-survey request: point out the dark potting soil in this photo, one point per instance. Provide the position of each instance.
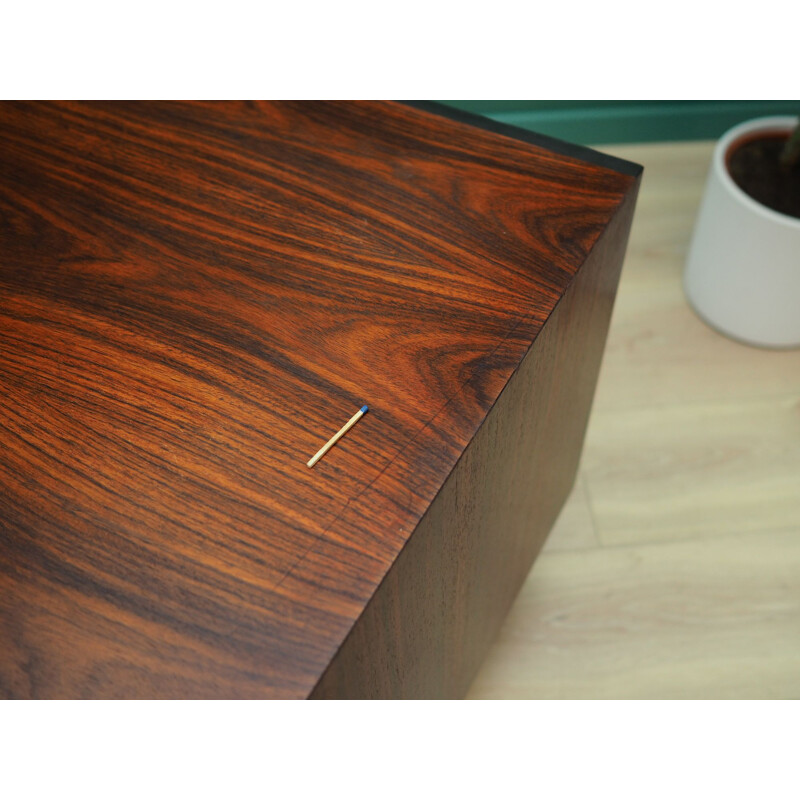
(755, 167)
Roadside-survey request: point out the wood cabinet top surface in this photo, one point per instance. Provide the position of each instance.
(193, 298)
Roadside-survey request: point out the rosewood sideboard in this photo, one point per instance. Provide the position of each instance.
(193, 298)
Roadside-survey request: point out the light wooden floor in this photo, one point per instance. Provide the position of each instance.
(674, 569)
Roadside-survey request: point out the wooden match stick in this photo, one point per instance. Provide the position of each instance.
(338, 435)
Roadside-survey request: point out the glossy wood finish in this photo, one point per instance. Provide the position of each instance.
(453, 583)
(193, 297)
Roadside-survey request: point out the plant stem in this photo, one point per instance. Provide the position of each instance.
(791, 150)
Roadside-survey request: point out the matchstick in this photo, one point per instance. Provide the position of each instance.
(335, 438)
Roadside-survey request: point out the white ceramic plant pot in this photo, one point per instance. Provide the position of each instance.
(743, 270)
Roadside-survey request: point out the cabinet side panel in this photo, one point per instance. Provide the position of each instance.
(428, 626)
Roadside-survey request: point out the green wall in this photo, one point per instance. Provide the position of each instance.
(624, 121)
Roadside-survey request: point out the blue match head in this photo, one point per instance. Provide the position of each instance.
(364, 409)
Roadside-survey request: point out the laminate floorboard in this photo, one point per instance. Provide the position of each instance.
(674, 568)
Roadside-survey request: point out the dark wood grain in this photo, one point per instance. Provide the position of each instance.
(453, 583)
(193, 297)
